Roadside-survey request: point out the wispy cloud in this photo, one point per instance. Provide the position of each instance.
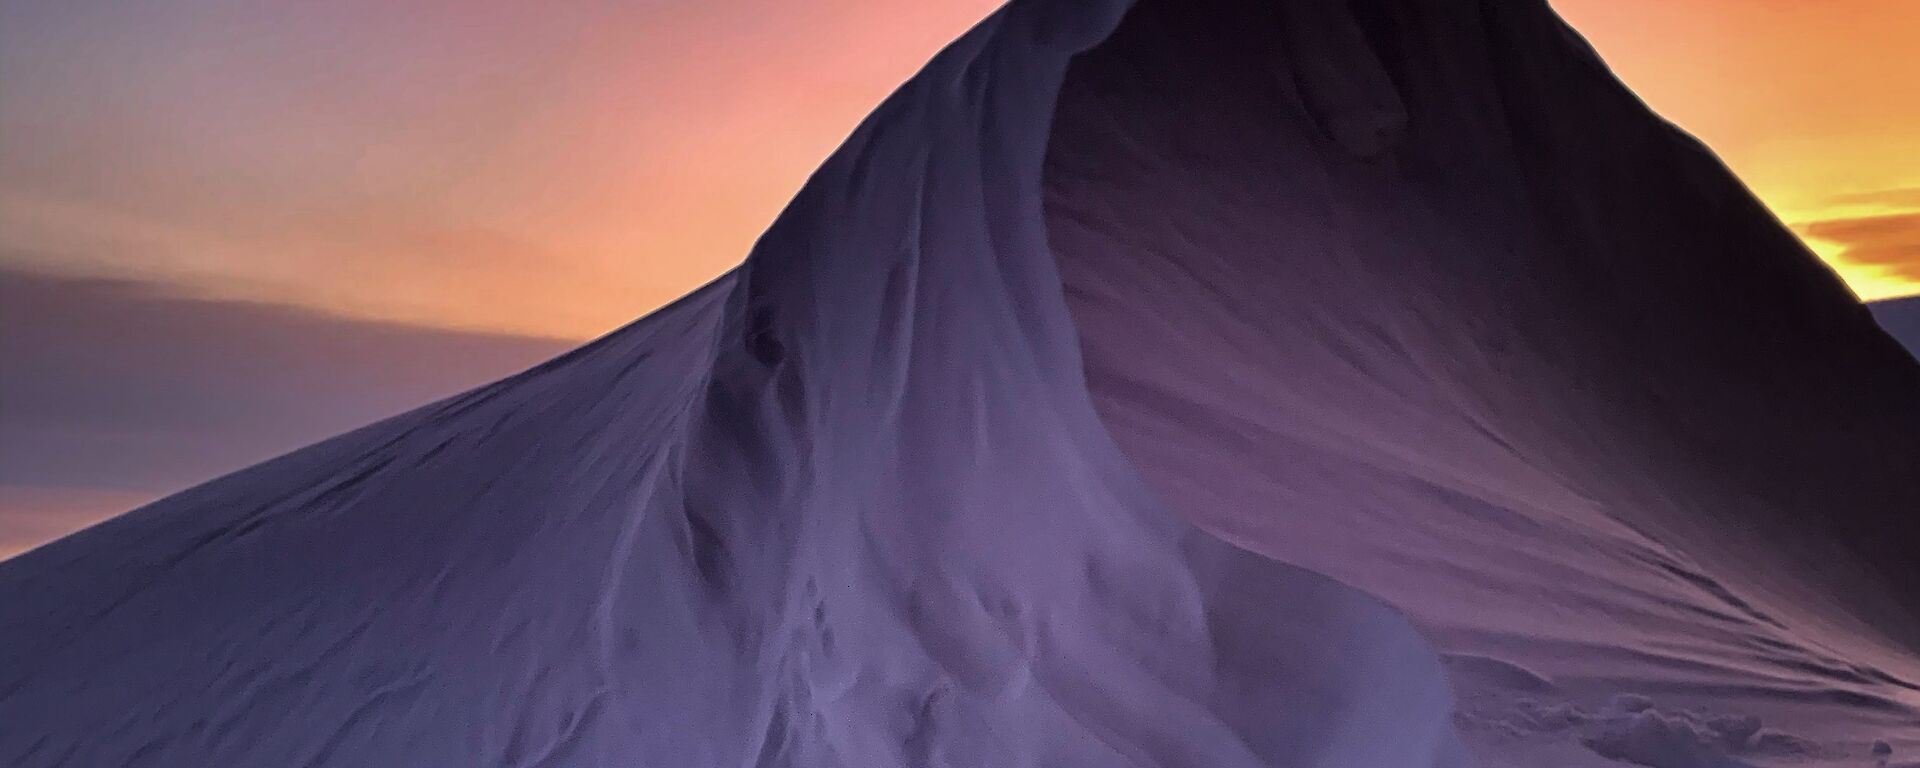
(117, 389)
(1888, 198)
(1890, 243)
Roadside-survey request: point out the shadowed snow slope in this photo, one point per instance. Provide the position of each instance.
(1416, 295)
(1409, 293)
(1901, 318)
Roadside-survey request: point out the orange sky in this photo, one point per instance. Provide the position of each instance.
(1815, 104)
(560, 169)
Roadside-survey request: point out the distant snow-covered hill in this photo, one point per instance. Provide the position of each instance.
(1901, 319)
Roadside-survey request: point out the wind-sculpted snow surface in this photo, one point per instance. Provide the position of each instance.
(1406, 292)
(1417, 295)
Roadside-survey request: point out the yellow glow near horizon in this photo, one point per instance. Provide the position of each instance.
(1815, 105)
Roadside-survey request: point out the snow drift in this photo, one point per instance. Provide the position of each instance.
(1025, 434)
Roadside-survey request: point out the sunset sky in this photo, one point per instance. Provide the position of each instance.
(359, 186)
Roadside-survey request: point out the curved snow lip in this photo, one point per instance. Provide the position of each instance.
(850, 505)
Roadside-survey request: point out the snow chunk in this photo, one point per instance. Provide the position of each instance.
(1633, 729)
(1653, 738)
(1630, 703)
(1543, 718)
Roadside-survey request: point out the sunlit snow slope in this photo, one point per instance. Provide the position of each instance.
(1091, 411)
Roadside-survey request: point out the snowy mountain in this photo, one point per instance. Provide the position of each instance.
(1901, 319)
(1108, 398)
